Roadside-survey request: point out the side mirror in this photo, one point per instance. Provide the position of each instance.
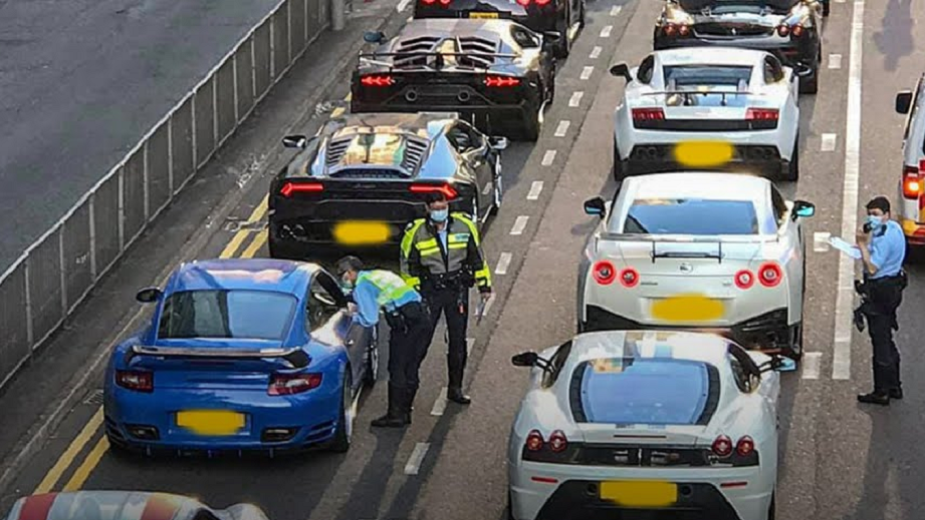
(801, 208)
(295, 141)
(552, 37)
(525, 359)
(903, 102)
(149, 295)
(621, 69)
(595, 206)
(374, 36)
(498, 143)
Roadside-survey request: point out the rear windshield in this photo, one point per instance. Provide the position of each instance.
(755, 5)
(227, 314)
(644, 391)
(703, 79)
(379, 149)
(692, 217)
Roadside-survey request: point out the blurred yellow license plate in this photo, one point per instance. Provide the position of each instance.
(640, 494)
(358, 233)
(211, 422)
(687, 308)
(483, 15)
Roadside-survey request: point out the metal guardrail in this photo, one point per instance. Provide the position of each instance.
(56, 272)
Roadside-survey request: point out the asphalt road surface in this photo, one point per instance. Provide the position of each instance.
(81, 83)
(840, 461)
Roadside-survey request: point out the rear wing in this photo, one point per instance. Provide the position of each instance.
(692, 93)
(295, 356)
(655, 240)
(372, 58)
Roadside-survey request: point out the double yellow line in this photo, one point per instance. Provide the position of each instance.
(93, 427)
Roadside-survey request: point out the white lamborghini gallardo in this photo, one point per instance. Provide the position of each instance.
(676, 100)
(673, 425)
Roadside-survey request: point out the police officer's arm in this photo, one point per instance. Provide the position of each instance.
(872, 262)
(476, 259)
(410, 257)
(364, 294)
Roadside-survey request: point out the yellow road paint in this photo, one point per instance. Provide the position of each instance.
(255, 246)
(89, 464)
(688, 308)
(337, 112)
(349, 96)
(640, 493)
(701, 154)
(67, 458)
(232, 248)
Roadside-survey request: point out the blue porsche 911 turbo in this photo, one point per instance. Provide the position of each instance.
(240, 355)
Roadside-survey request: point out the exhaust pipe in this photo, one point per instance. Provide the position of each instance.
(463, 96)
(411, 96)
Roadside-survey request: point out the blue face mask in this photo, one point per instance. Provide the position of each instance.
(439, 215)
(346, 285)
(874, 221)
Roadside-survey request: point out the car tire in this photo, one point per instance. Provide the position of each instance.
(826, 7)
(531, 127)
(372, 360)
(509, 510)
(793, 167)
(342, 436)
(618, 168)
(811, 83)
(565, 44)
(498, 191)
(583, 19)
(772, 509)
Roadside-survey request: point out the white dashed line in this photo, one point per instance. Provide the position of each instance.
(828, 142)
(811, 363)
(562, 128)
(549, 157)
(535, 189)
(402, 5)
(586, 72)
(470, 342)
(417, 457)
(439, 404)
(519, 225)
(844, 300)
(821, 242)
(834, 61)
(605, 32)
(615, 10)
(595, 53)
(489, 303)
(503, 263)
(575, 100)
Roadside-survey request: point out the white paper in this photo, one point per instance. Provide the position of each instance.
(846, 248)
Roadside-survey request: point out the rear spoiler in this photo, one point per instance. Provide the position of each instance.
(295, 356)
(371, 58)
(680, 239)
(690, 93)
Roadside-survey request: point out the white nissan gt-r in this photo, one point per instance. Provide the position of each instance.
(677, 424)
(709, 107)
(694, 250)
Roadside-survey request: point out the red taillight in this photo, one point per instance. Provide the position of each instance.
(524, 3)
(629, 277)
(534, 441)
(445, 3)
(294, 187)
(428, 2)
(796, 30)
(135, 380)
(289, 384)
(544, 2)
(745, 446)
(604, 272)
(912, 182)
(377, 81)
(722, 446)
(783, 30)
(683, 30)
(761, 114)
(445, 189)
(672, 29)
(744, 279)
(501, 81)
(558, 442)
(648, 114)
(770, 274)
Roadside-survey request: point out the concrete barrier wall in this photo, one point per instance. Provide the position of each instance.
(57, 272)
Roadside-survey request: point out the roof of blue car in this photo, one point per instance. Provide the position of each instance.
(243, 274)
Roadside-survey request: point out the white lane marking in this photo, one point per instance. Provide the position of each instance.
(535, 190)
(503, 263)
(834, 61)
(841, 359)
(439, 404)
(605, 32)
(586, 72)
(486, 189)
(562, 128)
(519, 225)
(828, 142)
(811, 362)
(575, 100)
(821, 241)
(595, 53)
(549, 157)
(470, 342)
(840, 1)
(489, 303)
(615, 10)
(417, 457)
(402, 5)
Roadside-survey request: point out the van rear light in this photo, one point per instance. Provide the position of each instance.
(744, 279)
(377, 81)
(648, 114)
(762, 114)
(501, 81)
(534, 441)
(447, 190)
(604, 272)
(912, 182)
(558, 442)
(745, 446)
(770, 274)
(722, 446)
(300, 187)
(136, 380)
(289, 384)
(629, 277)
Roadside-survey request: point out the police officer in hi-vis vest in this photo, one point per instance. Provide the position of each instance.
(442, 257)
(409, 328)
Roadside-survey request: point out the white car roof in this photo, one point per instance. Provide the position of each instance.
(709, 186)
(694, 346)
(710, 56)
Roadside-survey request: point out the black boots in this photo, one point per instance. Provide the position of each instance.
(456, 395)
(882, 399)
(399, 411)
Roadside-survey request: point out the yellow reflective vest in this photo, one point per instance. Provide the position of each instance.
(423, 254)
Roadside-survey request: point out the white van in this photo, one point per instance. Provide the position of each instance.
(911, 210)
